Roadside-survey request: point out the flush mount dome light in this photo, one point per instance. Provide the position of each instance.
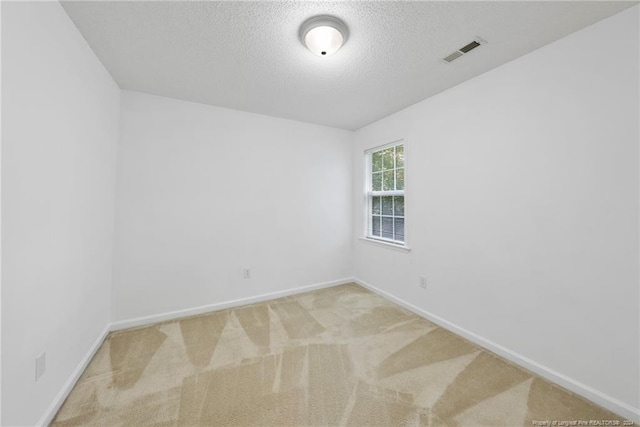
(323, 34)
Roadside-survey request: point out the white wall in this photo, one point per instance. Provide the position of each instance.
(205, 191)
(0, 219)
(59, 141)
(522, 199)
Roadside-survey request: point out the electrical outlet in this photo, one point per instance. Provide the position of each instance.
(423, 282)
(246, 273)
(41, 365)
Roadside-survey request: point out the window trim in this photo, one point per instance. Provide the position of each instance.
(369, 194)
(386, 245)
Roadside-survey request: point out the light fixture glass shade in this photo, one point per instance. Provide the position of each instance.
(323, 41)
(323, 35)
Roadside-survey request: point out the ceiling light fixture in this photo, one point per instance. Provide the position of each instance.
(323, 34)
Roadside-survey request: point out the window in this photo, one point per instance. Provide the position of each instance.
(385, 194)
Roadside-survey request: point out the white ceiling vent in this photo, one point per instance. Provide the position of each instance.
(464, 49)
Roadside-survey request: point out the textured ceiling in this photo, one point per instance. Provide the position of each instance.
(247, 55)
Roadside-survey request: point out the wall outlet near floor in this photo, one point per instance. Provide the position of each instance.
(423, 282)
(41, 365)
(246, 273)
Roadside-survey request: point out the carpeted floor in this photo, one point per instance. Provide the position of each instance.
(337, 356)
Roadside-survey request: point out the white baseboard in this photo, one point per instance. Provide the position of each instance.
(55, 406)
(161, 317)
(614, 405)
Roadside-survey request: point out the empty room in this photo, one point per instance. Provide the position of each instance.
(291, 213)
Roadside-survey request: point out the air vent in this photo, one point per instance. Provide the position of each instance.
(465, 49)
(474, 44)
(453, 56)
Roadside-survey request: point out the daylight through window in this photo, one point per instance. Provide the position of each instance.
(385, 214)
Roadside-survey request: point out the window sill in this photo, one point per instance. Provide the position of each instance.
(380, 243)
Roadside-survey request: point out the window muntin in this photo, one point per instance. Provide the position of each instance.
(385, 194)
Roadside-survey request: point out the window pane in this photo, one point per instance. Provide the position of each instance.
(376, 181)
(375, 205)
(399, 229)
(387, 181)
(387, 228)
(375, 226)
(376, 161)
(387, 205)
(399, 179)
(387, 159)
(398, 205)
(400, 156)
(386, 214)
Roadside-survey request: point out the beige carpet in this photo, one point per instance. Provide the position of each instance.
(338, 356)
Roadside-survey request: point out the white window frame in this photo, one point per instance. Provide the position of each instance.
(369, 194)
